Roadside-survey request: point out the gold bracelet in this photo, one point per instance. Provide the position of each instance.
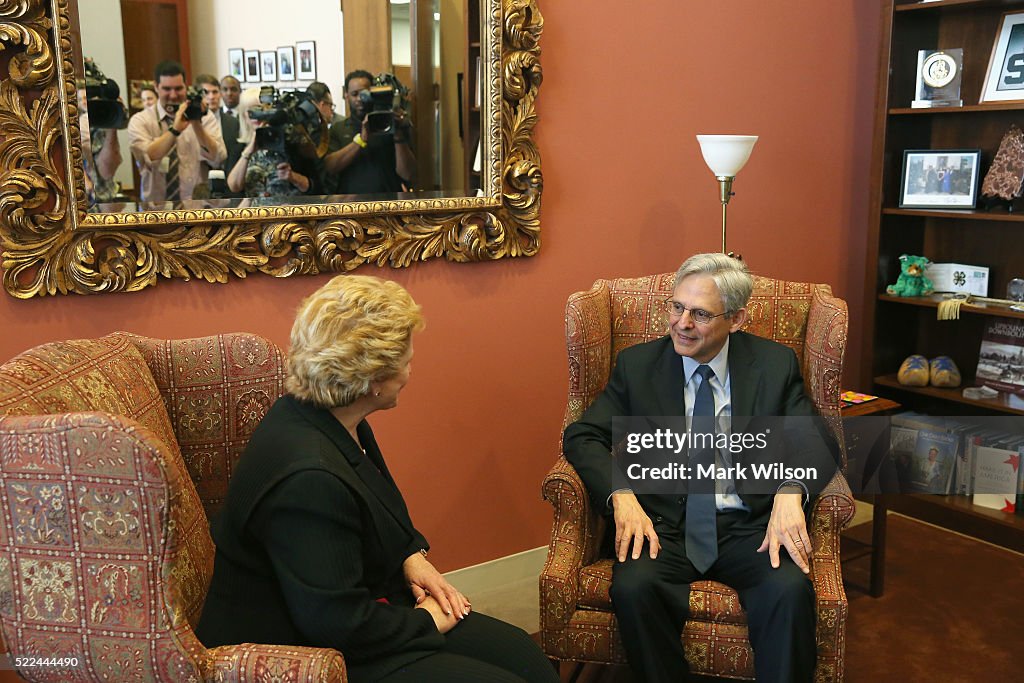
(358, 139)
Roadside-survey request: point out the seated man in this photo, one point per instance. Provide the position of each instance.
(707, 367)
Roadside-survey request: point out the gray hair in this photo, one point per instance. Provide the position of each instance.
(730, 274)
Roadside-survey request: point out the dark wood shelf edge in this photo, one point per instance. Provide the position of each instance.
(932, 301)
(920, 6)
(965, 109)
(962, 214)
(959, 514)
(997, 404)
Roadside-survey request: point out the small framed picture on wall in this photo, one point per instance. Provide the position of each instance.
(306, 67)
(236, 63)
(286, 63)
(268, 65)
(252, 66)
(940, 179)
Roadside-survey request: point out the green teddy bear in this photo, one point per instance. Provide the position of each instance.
(912, 281)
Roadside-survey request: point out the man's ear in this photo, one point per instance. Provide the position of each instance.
(739, 319)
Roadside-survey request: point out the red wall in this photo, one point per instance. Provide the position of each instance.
(626, 193)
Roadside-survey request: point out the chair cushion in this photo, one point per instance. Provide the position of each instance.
(709, 600)
(107, 375)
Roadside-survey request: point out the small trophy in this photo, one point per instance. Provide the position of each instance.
(938, 78)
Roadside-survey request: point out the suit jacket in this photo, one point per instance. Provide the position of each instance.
(312, 534)
(229, 129)
(648, 380)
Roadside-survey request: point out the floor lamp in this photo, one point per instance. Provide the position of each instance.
(725, 155)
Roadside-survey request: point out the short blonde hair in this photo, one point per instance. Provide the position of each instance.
(354, 330)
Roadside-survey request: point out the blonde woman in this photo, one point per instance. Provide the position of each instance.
(315, 545)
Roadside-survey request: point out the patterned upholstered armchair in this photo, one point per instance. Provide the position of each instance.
(577, 623)
(113, 453)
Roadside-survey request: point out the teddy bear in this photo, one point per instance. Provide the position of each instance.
(912, 280)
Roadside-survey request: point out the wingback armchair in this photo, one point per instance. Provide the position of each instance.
(113, 454)
(577, 622)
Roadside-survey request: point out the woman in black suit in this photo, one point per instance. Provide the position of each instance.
(315, 546)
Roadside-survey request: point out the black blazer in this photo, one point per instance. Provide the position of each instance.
(648, 380)
(229, 128)
(312, 534)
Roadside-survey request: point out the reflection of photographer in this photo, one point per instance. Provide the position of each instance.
(276, 161)
(370, 152)
(101, 114)
(170, 140)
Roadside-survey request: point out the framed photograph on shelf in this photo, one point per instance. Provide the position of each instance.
(305, 68)
(268, 66)
(286, 63)
(252, 66)
(236, 63)
(940, 178)
(1004, 81)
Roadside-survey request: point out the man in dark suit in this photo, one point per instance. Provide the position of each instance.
(228, 122)
(707, 367)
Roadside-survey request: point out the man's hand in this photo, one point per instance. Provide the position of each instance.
(426, 582)
(444, 622)
(787, 527)
(180, 123)
(632, 525)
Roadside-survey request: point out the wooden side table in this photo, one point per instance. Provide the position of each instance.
(876, 548)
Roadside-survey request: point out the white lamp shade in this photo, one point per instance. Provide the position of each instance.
(725, 155)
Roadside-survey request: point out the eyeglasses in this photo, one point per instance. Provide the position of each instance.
(699, 315)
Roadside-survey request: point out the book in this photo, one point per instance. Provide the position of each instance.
(995, 477)
(854, 398)
(931, 465)
(1001, 358)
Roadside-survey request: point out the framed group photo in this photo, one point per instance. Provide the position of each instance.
(286, 63)
(1004, 81)
(252, 66)
(940, 178)
(236, 63)
(268, 66)
(305, 68)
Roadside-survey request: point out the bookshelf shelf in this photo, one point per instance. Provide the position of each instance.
(933, 301)
(1004, 403)
(966, 109)
(957, 4)
(962, 214)
(959, 514)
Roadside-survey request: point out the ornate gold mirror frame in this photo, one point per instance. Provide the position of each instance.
(52, 245)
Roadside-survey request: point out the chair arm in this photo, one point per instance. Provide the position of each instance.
(575, 534)
(833, 510)
(252, 662)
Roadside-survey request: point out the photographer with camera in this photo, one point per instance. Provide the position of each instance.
(280, 159)
(170, 140)
(101, 115)
(370, 152)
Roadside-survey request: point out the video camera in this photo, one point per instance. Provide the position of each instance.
(282, 111)
(194, 108)
(101, 95)
(380, 101)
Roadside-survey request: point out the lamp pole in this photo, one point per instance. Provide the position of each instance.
(725, 190)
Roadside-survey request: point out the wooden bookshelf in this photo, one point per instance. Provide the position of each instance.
(898, 327)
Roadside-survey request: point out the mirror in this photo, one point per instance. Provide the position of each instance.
(52, 244)
(297, 89)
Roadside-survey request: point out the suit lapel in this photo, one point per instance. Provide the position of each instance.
(668, 382)
(745, 380)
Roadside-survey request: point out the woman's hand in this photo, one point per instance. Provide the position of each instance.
(443, 622)
(426, 582)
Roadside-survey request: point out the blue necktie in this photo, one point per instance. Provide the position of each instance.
(701, 529)
(173, 193)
